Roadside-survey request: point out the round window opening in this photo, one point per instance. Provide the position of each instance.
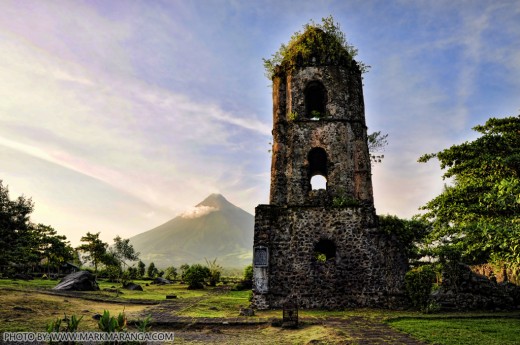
(324, 250)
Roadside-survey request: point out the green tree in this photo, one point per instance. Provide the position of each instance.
(184, 268)
(170, 273)
(248, 273)
(94, 248)
(16, 233)
(196, 275)
(124, 251)
(477, 215)
(152, 271)
(141, 269)
(53, 248)
(409, 232)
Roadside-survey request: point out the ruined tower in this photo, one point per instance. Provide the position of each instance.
(322, 247)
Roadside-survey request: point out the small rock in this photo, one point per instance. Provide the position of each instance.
(23, 276)
(276, 323)
(247, 312)
(22, 308)
(96, 316)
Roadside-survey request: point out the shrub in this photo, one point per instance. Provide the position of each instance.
(344, 201)
(419, 282)
(196, 275)
(247, 282)
(110, 324)
(71, 324)
(248, 273)
(215, 270)
(144, 325)
(170, 273)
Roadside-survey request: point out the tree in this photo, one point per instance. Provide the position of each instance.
(16, 235)
(170, 273)
(53, 248)
(409, 232)
(376, 145)
(123, 250)
(196, 275)
(248, 273)
(141, 269)
(184, 268)
(95, 249)
(152, 271)
(477, 216)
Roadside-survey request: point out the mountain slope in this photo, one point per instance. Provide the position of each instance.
(215, 228)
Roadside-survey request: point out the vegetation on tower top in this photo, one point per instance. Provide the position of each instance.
(319, 44)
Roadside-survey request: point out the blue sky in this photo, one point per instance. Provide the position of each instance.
(115, 116)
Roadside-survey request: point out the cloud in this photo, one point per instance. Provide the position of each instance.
(198, 211)
(158, 146)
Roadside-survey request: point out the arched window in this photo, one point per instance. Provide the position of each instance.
(324, 250)
(317, 162)
(315, 99)
(317, 168)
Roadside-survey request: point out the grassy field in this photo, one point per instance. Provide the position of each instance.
(29, 306)
(461, 331)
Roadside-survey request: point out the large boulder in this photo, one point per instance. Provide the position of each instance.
(133, 286)
(161, 281)
(78, 281)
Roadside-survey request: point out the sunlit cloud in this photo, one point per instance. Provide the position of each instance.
(198, 211)
(157, 105)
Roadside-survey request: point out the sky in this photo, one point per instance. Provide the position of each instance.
(116, 116)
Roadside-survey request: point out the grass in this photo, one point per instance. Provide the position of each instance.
(26, 306)
(226, 304)
(28, 284)
(31, 311)
(151, 292)
(461, 331)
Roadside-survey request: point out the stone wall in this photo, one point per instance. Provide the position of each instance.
(462, 289)
(366, 270)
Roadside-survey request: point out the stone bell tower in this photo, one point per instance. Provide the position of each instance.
(322, 247)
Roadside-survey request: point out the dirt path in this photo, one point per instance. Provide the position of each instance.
(242, 330)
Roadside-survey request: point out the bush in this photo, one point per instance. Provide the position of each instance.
(419, 282)
(111, 324)
(247, 282)
(196, 275)
(170, 273)
(248, 273)
(215, 270)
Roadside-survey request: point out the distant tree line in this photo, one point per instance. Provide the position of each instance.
(26, 247)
